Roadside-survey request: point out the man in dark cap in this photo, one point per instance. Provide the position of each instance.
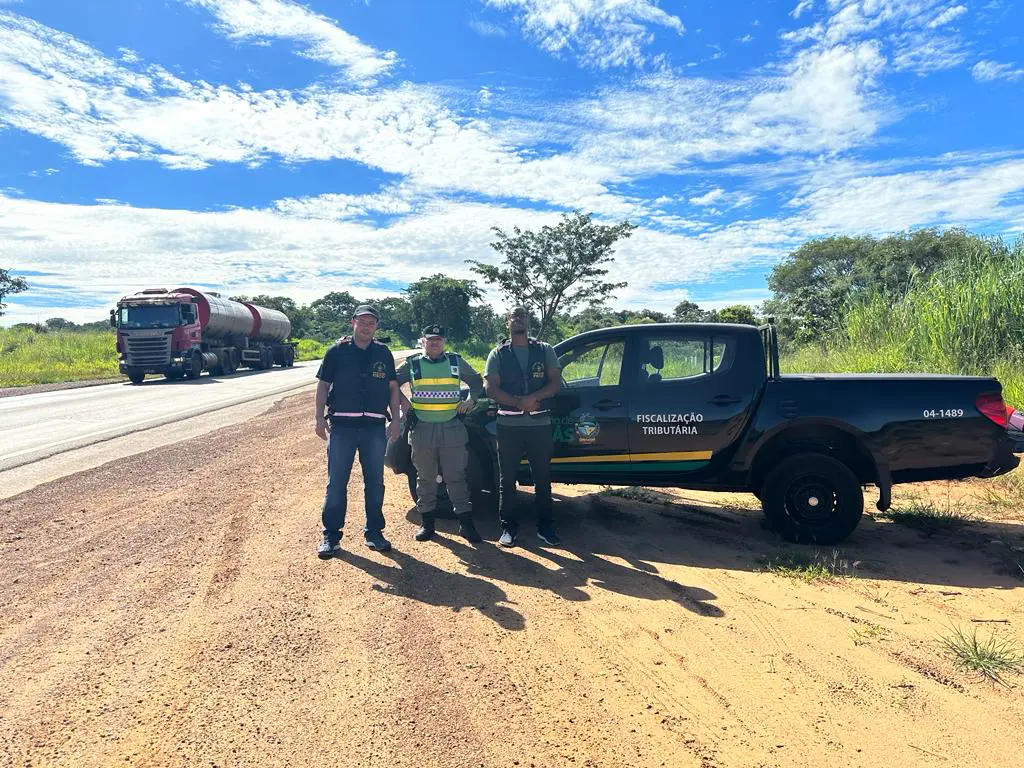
(356, 387)
(438, 437)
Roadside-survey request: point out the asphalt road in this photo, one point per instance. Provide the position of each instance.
(41, 425)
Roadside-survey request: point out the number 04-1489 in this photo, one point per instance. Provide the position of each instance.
(943, 413)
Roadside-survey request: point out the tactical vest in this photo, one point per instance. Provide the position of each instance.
(357, 391)
(435, 386)
(518, 382)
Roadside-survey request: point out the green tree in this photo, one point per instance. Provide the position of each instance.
(9, 284)
(687, 311)
(738, 313)
(330, 317)
(556, 269)
(396, 320)
(443, 300)
(60, 324)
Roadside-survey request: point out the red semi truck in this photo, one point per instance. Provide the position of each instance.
(185, 331)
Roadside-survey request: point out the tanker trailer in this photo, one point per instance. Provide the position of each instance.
(181, 332)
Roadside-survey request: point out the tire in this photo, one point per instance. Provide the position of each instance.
(196, 367)
(811, 498)
(136, 378)
(289, 357)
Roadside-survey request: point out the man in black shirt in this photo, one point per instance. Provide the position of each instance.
(356, 387)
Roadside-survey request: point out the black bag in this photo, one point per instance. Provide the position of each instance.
(398, 454)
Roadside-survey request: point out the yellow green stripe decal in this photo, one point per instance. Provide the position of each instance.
(636, 457)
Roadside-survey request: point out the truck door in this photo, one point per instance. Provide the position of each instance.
(590, 416)
(691, 401)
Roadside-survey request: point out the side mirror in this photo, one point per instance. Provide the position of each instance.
(113, 318)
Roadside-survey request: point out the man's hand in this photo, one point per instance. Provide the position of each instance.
(465, 406)
(394, 430)
(528, 403)
(322, 428)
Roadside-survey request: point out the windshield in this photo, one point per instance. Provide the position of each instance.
(151, 316)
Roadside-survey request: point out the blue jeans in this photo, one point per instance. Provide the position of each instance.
(342, 444)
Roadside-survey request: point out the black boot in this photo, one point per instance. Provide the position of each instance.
(426, 531)
(467, 530)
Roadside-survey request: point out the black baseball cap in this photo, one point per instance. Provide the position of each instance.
(434, 330)
(366, 309)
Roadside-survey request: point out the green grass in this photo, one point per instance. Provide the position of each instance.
(929, 517)
(310, 349)
(816, 567)
(965, 318)
(991, 658)
(28, 357)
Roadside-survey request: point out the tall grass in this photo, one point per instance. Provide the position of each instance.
(28, 357)
(966, 318)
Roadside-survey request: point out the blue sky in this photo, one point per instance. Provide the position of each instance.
(268, 146)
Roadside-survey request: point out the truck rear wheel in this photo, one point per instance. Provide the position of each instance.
(811, 498)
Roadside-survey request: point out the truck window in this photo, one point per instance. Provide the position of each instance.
(671, 358)
(598, 364)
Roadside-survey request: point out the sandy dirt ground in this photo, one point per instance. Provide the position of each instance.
(168, 609)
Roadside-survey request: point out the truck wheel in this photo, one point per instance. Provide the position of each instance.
(136, 378)
(811, 498)
(195, 367)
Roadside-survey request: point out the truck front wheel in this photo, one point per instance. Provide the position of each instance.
(136, 378)
(195, 366)
(811, 498)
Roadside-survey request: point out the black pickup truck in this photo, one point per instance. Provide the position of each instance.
(704, 406)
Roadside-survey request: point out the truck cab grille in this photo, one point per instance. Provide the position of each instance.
(148, 350)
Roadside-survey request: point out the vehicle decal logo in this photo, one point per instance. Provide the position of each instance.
(587, 429)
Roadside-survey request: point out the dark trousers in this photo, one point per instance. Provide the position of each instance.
(342, 445)
(536, 444)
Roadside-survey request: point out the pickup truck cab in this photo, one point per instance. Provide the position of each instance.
(703, 406)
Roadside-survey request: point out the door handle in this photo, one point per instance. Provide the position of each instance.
(723, 400)
(606, 405)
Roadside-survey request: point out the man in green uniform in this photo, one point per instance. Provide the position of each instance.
(522, 375)
(438, 437)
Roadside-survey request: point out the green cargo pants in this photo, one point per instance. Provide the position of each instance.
(440, 449)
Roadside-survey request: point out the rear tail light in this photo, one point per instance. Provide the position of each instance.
(992, 406)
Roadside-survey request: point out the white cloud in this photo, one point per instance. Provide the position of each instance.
(601, 33)
(324, 40)
(987, 71)
(709, 197)
(803, 5)
(745, 39)
(948, 15)
(487, 29)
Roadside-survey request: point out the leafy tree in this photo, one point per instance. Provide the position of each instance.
(556, 269)
(443, 300)
(330, 317)
(9, 284)
(738, 313)
(687, 311)
(396, 320)
(59, 324)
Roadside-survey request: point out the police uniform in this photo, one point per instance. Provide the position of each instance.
(357, 405)
(438, 437)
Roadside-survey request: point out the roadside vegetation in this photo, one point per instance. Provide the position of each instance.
(816, 567)
(928, 516)
(29, 356)
(991, 658)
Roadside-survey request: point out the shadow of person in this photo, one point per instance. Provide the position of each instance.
(429, 584)
(577, 567)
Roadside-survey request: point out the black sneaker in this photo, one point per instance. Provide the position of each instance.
(508, 538)
(330, 546)
(377, 542)
(425, 532)
(468, 531)
(548, 536)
